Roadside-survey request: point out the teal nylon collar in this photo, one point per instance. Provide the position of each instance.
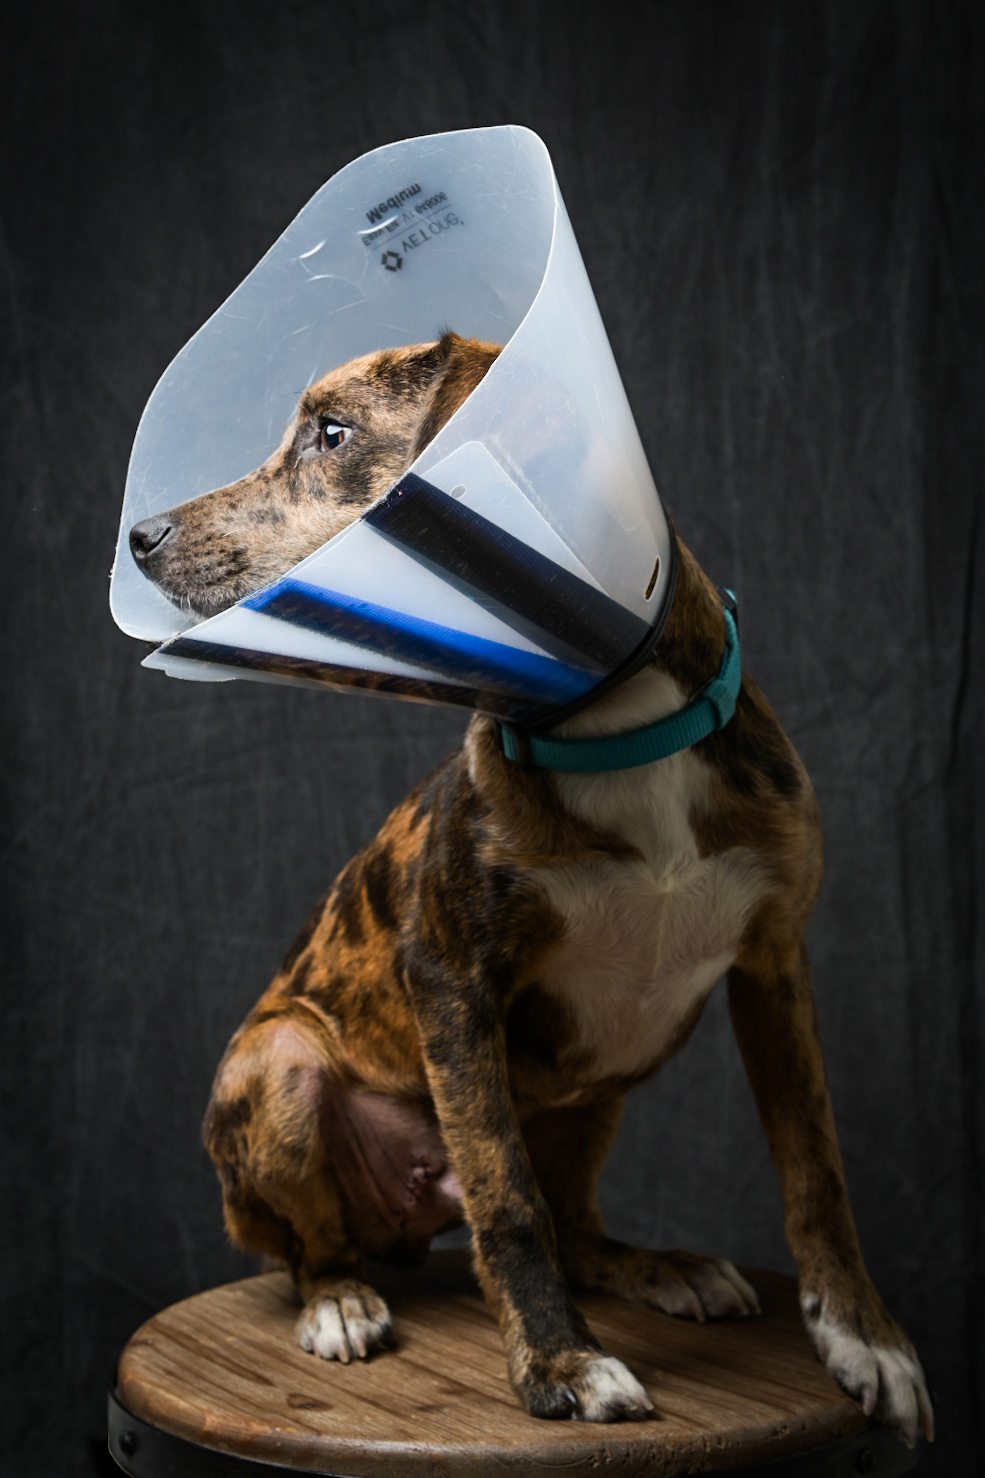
(710, 710)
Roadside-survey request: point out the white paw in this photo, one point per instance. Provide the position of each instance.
(886, 1380)
(338, 1328)
(608, 1392)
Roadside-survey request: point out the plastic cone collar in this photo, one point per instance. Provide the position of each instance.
(525, 556)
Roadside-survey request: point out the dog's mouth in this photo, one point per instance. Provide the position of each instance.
(202, 604)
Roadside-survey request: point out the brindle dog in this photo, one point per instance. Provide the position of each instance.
(455, 1030)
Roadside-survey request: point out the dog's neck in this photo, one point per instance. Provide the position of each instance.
(535, 815)
(688, 655)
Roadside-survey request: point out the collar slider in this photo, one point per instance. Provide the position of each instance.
(722, 699)
(515, 744)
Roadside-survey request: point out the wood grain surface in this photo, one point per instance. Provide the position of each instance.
(223, 1369)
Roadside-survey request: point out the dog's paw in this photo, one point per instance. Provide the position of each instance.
(346, 1320)
(883, 1373)
(692, 1287)
(586, 1386)
(607, 1392)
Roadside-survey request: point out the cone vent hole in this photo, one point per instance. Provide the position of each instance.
(653, 579)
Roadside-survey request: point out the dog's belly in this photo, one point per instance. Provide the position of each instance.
(640, 953)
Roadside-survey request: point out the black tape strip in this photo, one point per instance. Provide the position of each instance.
(525, 589)
(429, 690)
(639, 658)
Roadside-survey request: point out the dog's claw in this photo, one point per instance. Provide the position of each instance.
(747, 1295)
(926, 1412)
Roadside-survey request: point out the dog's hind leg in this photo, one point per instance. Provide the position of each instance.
(568, 1147)
(265, 1131)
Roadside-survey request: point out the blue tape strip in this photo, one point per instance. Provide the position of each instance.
(425, 643)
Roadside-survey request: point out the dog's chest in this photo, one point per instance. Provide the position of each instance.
(644, 940)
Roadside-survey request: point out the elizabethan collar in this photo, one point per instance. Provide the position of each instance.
(524, 557)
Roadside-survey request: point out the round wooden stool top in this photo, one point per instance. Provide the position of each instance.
(223, 1370)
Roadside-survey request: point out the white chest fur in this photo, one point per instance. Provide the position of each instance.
(645, 940)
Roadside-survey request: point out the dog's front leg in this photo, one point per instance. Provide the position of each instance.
(556, 1366)
(771, 1000)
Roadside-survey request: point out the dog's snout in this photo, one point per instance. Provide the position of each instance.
(147, 536)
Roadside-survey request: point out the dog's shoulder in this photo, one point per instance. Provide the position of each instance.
(440, 895)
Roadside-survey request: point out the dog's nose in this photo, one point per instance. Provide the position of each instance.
(147, 536)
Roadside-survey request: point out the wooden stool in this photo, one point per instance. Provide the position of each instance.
(217, 1386)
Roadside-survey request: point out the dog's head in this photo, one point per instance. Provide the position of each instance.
(354, 433)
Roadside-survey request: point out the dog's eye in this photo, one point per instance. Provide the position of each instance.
(333, 435)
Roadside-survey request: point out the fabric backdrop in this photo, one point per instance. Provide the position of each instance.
(780, 207)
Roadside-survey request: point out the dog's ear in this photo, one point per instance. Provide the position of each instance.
(459, 365)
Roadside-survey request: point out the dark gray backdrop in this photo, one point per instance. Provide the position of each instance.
(780, 207)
